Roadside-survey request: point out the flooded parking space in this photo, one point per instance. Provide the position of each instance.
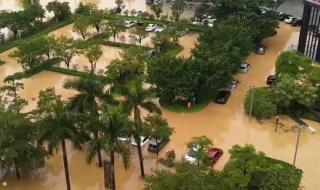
(226, 125)
(10, 67)
(188, 42)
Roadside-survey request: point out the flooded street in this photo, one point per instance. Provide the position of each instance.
(226, 125)
(188, 42)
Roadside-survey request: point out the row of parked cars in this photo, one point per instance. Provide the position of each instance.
(155, 146)
(225, 93)
(289, 19)
(149, 27)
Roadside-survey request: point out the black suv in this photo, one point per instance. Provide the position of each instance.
(223, 96)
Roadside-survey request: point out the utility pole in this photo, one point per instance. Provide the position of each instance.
(251, 101)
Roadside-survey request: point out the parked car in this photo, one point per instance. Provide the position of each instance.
(289, 19)
(160, 28)
(125, 139)
(223, 96)
(244, 67)
(151, 27)
(232, 85)
(214, 154)
(144, 141)
(191, 155)
(182, 32)
(129, 23)
(151, 53)
(156, 145)
(271, 79)
(260, 49)
(296, 22)
(283, 16)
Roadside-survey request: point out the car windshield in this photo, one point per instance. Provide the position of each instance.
(192, 153)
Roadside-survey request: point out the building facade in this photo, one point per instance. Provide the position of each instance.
(309, 40)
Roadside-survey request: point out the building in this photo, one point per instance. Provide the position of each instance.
(309, 40)
(292, 7)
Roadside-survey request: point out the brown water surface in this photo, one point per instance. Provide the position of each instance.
(226, 125)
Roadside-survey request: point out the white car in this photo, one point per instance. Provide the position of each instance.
(232, 85)
(289, 20)
(151, 27)
(160, 28)
(244, 67)
(191, 155)
(124, 139)
(144, 141)
(129, 23)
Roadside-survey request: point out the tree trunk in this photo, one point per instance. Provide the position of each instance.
(140, 159)
(18, 173)
(65, 163)
(112, 173)
(96, 136)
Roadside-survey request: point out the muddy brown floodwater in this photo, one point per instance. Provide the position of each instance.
(226, 125)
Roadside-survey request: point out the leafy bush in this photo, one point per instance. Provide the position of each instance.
(170, 159)
(262, 105)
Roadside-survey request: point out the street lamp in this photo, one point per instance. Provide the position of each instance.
(303, 126)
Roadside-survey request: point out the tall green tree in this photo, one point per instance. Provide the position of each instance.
(34, 8)
(157, 9)
(19, 146)
(138, 98)
(261, 24)
(177, 9)
(30, 54)
(57, 124)
(131, 65)
(66, 49)
(114, 28)
(16, 21)
(61, 10)
(138, 34)
(93, 54)
(96, 19)
(81, 25)
(86, 102)
(114, 123)
(9, 93)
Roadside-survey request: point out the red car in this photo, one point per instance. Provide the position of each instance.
(214, 154)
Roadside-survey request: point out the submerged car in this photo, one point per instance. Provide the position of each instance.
(143, 141)
(214, 154)
(191, 155)
(260, 49)
(232, 85)
(160, 28)
(223, 96)
(129, 23)
(244, 67)
(151, 27)
(156, 145)
(271, 79)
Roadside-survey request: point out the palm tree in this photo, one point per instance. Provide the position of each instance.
(136, 98)
(114, 123)
(57, 124)
(86, 103)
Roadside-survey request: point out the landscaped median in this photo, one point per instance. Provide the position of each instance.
(41, 33)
